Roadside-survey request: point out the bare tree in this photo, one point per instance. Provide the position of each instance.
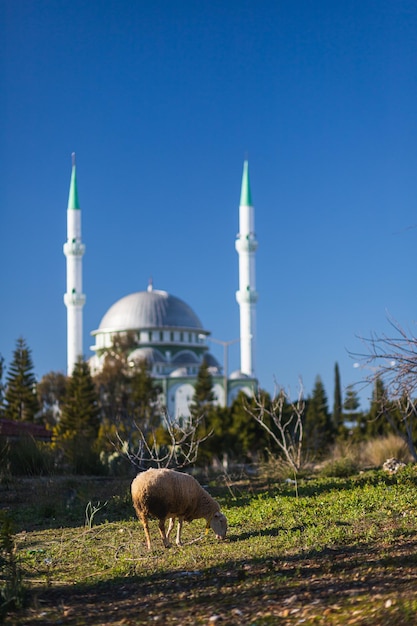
(174, 443)
(282, 419)
(393, 359)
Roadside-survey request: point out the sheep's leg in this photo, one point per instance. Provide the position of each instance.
(145, 525)
(161, 526)
(170, 526)
(179, 529)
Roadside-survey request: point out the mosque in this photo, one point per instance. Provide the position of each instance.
(168, 334)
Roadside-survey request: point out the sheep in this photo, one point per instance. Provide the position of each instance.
(165, 493)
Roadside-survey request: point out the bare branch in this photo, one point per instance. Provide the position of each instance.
(179, 448)
(393, 360)
(285, 429)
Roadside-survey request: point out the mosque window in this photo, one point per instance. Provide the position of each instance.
(190, 337)
(181, 336)
(150, 335)
(161, 335)
(171, 336)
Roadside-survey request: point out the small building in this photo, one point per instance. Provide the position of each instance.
(13, 430)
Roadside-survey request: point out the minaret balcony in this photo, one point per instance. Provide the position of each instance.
(74, 299)
(250, 296)
(247, 243)
(74, 248)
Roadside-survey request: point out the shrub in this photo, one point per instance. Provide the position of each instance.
(376, 451)
(28, 457)
(11, 586)
(339, 468)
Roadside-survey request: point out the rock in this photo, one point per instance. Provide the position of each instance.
(392, 465)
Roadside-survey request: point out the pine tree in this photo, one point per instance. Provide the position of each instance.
(21, 399)
(113, 387)
(318, 429)
(143, 397)
(375, 423)
(249, 438)
(353, 417)
(51, 392)
(203, 397)
(1, 386)
(77, 430)
(337, 401)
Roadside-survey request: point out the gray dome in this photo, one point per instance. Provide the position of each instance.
(151, 355)
(238, 375)
(185, 358)
(150, 309)
(211, 361)
(179, 372)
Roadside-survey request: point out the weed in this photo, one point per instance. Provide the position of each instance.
(11, 586)
(90, 511)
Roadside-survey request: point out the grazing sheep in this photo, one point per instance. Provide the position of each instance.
(164, 493)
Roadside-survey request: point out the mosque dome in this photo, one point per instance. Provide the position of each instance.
(151, 355)
(237, 375)
(150, 309)
(179, 372)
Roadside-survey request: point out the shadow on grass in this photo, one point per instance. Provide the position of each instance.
(242, 587)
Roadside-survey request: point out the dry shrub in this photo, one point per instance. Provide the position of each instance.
(376, 451)
(342, 461)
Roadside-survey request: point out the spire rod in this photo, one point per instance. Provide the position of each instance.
(73, 159)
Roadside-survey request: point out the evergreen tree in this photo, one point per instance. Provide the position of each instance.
(51, 393)
(1, 386)
(113, 388)
(352, 414)
(249, 437)
(374, 424)
(77, 430)
(114, 381)
(21, 400)
(337, 415)
(144, 406)
(203, 397)
(318, 429)
(351, 403)
(385, 416)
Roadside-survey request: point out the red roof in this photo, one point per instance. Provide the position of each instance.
(14, 429)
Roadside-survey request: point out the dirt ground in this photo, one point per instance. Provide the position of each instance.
(354, 585)
(336, 587)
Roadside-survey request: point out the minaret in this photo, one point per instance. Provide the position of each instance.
(246, 297)
(74, 298)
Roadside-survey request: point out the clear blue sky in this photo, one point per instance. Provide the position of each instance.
(161, 101)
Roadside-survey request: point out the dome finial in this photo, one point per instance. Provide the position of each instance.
(150, 284)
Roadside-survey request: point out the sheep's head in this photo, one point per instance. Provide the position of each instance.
(219, 525)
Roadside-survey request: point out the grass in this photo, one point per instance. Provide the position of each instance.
(344, 551)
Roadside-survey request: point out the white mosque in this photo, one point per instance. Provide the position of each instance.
(167, 332)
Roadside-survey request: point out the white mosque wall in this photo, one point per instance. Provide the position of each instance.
(179, 398)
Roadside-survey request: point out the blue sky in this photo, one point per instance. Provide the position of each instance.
(161, 101)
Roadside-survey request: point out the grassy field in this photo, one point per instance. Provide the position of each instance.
(342, 551)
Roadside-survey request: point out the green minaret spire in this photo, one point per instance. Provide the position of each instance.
(245, 194)
(73, 192)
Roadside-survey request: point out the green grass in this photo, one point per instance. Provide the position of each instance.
(345, 549)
